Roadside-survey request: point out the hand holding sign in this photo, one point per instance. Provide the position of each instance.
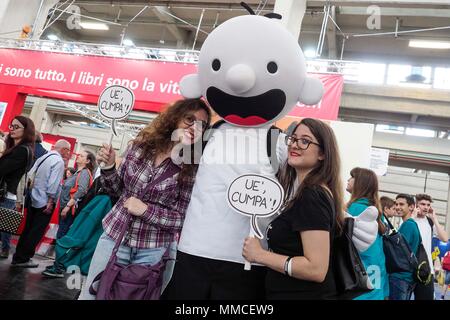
(255, 196)
(115, 103)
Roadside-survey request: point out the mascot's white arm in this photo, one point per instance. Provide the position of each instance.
(365, 228)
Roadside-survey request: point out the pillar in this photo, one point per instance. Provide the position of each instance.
(292, 12)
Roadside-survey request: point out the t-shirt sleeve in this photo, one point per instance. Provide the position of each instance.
(312, 211)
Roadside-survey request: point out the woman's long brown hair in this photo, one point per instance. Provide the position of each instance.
(327, 172)
(28, 138)
(156, 138)
(366, 186)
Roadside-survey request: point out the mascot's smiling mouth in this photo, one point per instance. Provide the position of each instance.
(247, 111)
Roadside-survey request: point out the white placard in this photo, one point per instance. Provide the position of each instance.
(254, 195)
(116, 102)
(379, 159)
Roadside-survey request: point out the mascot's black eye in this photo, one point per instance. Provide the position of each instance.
(272, 67)
(216, 64)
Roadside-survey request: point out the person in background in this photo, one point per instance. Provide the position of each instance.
(300, 238)
(39, 150)
(46, 176)
(154, 215)
(69, 172)
(73, 189)
(16, 160)
(429, 225)
(402, 284)
(388, 207)
(363, 186)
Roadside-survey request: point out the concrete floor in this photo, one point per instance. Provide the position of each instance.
(28, 283)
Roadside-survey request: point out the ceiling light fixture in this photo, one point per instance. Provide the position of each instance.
(53, 37)
(128, 42)
(94, 26)
(427, 44)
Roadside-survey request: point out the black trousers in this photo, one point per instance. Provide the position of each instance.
(35, 224)
(197, 278)
(422, 292)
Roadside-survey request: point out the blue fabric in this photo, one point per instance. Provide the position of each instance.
(6, 237)
(39, 150)
(400, 289)
(64, 224)
(373, 259)
(410, 231)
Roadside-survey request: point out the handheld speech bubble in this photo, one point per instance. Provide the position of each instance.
(255, 196)
(115, 103)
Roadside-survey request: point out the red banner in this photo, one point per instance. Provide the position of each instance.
(82, 78)
(328, 107)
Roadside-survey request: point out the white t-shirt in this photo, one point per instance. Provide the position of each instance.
(425, 233)
(211, 228)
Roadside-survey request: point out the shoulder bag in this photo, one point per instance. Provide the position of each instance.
(10, 219)
(133, 281)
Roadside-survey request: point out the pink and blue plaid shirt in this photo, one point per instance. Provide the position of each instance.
(167, 202)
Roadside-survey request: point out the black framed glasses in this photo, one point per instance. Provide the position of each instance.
(190, 120)
(302, 143)
(15, 127)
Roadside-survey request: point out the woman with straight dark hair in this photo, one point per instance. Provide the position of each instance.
(153, 189)
(300, 238)
(16, 160)
(363, 186)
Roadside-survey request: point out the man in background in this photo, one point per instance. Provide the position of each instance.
(429, 225)
(402, 284)
(46, 176)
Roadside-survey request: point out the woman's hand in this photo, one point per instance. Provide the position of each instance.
(64, 212)
(135, 206)
(252, 250)
(106, 155)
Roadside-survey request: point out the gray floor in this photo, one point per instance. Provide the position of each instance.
(28, 284)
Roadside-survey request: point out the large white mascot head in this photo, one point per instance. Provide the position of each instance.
(252, 72)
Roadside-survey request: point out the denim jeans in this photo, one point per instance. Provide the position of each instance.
(400, 289)
(6, 237)
(125, 255)
(64, 225)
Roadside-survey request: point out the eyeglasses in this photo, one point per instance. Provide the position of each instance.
(302, 143)
(15, 127)
(190, 120)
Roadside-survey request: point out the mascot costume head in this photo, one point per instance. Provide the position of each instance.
(252, 72)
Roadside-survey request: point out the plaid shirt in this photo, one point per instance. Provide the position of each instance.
(167, 202)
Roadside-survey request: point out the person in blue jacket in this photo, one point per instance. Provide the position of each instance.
(363, 186)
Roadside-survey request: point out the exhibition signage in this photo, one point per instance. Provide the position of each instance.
(82, 78)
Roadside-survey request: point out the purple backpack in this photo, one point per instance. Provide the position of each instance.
(133, 281)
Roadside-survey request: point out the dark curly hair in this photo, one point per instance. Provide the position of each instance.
(156, 138)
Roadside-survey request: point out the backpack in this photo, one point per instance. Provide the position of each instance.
(446, 262)
(399, 256)
(75, 188)
(422, 273)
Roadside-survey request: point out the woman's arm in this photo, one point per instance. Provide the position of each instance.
(313, 266)
(111, 179)
(166, 215)
(15, 161)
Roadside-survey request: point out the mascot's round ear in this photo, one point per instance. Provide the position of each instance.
(190, 86)
(312, 91)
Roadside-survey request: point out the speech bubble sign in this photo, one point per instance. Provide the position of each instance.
(115, 102)
(255, 196)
